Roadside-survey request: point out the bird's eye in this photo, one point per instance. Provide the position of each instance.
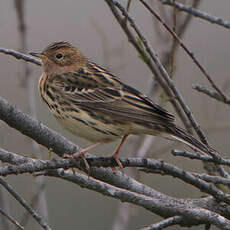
(59, 56)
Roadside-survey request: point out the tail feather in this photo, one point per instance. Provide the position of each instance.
(189, 140)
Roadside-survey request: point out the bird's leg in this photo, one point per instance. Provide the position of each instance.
(82, 154)
(115, 154)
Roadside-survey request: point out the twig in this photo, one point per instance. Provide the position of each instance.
(220, 160)
(197, 13)
(213, 179)
(24, 204)
(181, 30)
(4, 203)
(205, 177)
(15, 222)
(215, 159)
(34, 201)
(165, 223)
(20, 55)
(211, 93)
(174, 42)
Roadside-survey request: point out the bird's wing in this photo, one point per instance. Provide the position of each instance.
(99, 91)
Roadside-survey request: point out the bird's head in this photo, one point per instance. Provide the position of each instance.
(60, 56)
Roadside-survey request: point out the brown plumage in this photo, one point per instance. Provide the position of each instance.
(94, 104)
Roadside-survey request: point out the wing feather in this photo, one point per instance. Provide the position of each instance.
(110, 96)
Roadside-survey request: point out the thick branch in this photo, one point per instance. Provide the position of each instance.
(193, 215)
(39, 165)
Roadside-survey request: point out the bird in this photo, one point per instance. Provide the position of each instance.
(96, 105)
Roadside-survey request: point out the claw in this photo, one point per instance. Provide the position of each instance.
(118, 162)
(82, 155)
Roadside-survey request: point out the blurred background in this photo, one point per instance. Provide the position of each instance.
(90, 26)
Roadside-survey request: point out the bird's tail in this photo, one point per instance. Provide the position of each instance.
(181, 135)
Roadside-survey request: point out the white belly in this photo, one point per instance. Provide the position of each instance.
(84, 126)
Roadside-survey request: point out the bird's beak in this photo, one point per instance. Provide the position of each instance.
(37, 54)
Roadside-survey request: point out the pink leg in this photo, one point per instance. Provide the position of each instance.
(115, 154)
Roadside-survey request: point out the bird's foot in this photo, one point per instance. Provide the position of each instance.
(80, 154)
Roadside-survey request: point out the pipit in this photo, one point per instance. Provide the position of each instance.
(94, 104)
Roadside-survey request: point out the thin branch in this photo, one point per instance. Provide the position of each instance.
(20, 55)
(182, 28)
(211, 93)
(219, 160)
(35, 200)
(212, 179)
(4, 203)
(197, 13)
(165, 223)
(38, 218)
(15, 222)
